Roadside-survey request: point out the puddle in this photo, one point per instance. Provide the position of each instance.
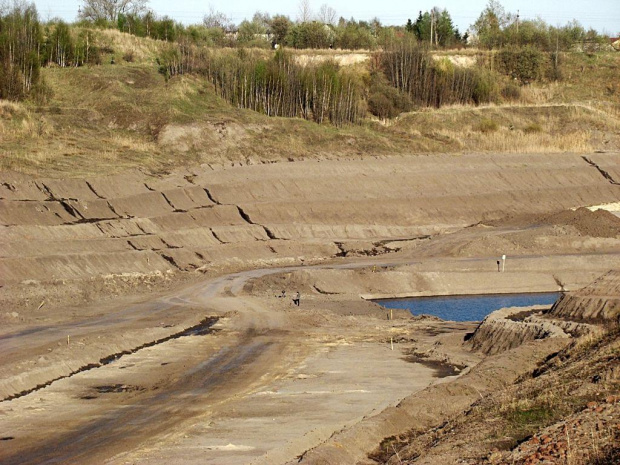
(115, 388)
(442, 369)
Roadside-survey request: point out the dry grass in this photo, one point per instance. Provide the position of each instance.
(561, 388)
(515, 128)
(510, 141)
(106, 118)
(538, 95)
(143, 49)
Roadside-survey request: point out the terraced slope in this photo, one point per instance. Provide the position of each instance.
(598, 303)
(68, 229)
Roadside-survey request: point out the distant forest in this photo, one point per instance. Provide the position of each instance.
(403, 74)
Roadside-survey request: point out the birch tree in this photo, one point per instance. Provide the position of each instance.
(109, 10)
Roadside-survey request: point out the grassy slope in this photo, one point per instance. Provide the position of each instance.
(111, 117)
(497, 423)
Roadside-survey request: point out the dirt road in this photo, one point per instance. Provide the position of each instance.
(146, 396)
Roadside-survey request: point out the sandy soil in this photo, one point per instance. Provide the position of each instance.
(101, 278)
(251, 368)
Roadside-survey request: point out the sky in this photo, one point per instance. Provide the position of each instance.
(601, 15)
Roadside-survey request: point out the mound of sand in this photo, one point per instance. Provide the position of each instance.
(599, 223)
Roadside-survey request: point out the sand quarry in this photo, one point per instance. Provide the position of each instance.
(142, 319)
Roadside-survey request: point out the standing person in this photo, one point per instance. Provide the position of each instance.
(296, 298)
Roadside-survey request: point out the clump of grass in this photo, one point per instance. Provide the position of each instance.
(528, 416)
(532, 128)
(9, 109)
(511, 92)
(487, 125)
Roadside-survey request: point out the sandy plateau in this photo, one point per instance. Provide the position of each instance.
(142, 319)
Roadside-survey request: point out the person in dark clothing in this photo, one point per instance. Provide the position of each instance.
(297, 298)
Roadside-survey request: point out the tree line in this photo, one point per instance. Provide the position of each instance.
(403, 72)
(26, 44)
(495, 28)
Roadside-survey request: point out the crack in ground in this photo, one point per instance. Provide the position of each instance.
(604, 173)
(171, 260)
(342, 253)
(93, 189)
(320, 291)
(175, 209)
(201, 329)
(211, 198)
(169, 246)
(71, 210)
(115, 212)
(9, 186)
(248, 220)
(133, 246)
(216, 236)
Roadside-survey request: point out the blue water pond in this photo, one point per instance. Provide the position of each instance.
(467, 307)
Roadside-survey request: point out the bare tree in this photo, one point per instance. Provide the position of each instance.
(327, 15)
(110, 9)
(216, 19)
(305, 12)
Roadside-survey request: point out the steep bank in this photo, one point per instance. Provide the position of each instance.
(508, 328)
(598, 303)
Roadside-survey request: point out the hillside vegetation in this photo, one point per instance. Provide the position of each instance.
(119, 101)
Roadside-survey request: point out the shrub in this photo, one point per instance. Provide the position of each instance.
(353, 37)
(532, 128)
(485, 88)
(487, 125)
(129, 56)
(385, 101)
(20, 41)
(310, 35)
(523, 64)
(511, 92)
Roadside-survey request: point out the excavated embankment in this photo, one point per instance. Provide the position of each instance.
(574, 314)
(505, 329)
(598, 303)
(72, 229)
(69, 233)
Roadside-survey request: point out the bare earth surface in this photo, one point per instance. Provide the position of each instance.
(142, 323)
